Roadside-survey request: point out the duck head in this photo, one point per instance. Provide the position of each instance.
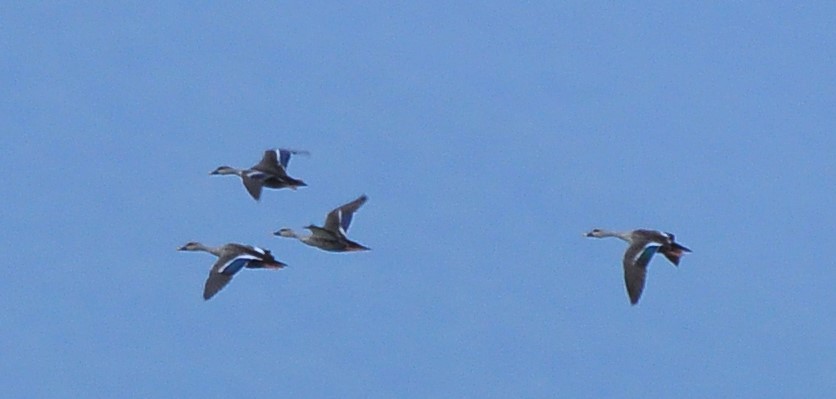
(285, 232)
(597, 233)
(191, 246)
(224, 170)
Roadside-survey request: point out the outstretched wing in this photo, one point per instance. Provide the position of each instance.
(270, 164)
(253, 183)
(285, 153)
(339, 219)
(635, 263)
(215, 283)
(222, 271)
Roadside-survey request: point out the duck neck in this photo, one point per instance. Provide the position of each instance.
(211, 250)
(624, 235)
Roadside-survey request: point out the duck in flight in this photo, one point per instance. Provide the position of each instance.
(270, 172)
(332, 236)
(639, 253)
(231, 259)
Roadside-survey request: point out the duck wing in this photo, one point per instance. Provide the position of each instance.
(227, 265)
(634, 275)
(339, 219)
(252, 184)
(215, 283)
(270, 164)
(285, 153)
(635, 272)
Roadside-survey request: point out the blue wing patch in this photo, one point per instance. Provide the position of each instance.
(234, 266)
(284, 157)
(345, 220)
(646, 255)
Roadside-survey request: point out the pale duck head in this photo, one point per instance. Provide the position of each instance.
(285, 232)
(191, 246)
(597, 233)
(224, 170)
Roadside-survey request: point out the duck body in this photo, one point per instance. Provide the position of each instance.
(639, 253)
(273, 168)
(232, 258)
(332, 236)
(286, 182)
(331, 241)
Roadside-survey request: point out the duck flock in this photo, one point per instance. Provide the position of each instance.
(271, 172)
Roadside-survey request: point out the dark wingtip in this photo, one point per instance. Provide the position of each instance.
(634, 299)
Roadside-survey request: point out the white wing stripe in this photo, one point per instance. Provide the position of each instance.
(243, 256)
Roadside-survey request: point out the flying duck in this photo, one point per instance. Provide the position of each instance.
(332, 236)
(270, 172)
(231, 259)
(639, 254)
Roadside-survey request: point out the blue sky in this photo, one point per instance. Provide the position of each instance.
(488, 139)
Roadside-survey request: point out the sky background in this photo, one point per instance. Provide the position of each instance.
(488, 137)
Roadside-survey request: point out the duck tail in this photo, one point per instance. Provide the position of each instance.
(673, 252)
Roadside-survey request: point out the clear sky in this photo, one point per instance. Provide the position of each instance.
(488, 138)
